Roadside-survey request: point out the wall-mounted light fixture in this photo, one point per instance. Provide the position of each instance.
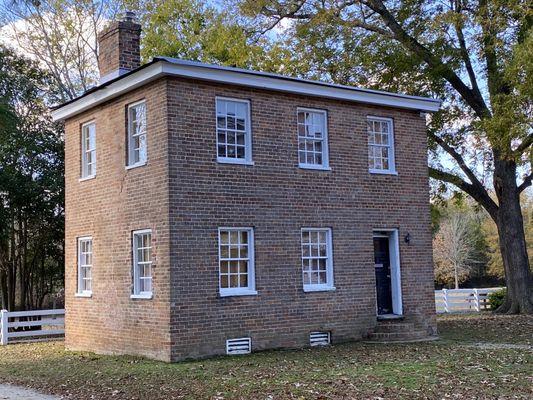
(407, 238)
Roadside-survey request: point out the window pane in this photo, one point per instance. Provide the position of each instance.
(311, 137)
(234, 258)
(316, 257)
(379, 144)
(142, 243)
(232, 129)
(137, 144)
(84, 265)
(224, 281)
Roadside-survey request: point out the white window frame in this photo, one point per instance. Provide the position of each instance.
(329, 262)
(247, 160)
(250, 290)
(137, 294)
(85, 130)
(129, 157)
(325, 145)
(79, 291)
(392, 164)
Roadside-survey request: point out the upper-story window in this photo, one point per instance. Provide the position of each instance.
(234, 136)
(317, 259)
(142, 264)
(137, 149)
(312, 139)
(85, 266)
(380, 145)
(236, 261)
(88, 150)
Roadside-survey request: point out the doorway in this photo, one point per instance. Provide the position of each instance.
(387, 271)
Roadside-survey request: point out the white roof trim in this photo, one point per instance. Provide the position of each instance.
(239, 77)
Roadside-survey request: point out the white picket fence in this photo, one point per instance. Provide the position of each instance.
(13, 325)
(463, 300)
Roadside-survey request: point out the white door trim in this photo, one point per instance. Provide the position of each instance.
(396, 276)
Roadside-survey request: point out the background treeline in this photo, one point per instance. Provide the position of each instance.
(31, 188)
(466, 250)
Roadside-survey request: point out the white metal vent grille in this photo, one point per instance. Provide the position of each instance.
(319, 338)
(239, 346)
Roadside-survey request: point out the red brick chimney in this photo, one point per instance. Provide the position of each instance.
(119, 47)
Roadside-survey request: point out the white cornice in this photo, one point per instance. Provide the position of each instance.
(239, 77)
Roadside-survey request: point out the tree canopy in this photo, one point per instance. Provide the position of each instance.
(31, 186)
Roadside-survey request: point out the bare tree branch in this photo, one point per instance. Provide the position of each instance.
(476, 102)
(468, 188)
(526, 183)
(526, 143)
(464, 51)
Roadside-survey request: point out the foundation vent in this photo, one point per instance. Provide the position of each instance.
(320, 338)
(239, 346)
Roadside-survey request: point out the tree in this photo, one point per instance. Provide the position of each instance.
(495, 262)
(454, 249)
(475, 54)
(62, 36)
(31, 186)
(195, 30)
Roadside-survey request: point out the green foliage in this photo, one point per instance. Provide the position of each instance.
(195, 30)
(31, 185)
(497, 298)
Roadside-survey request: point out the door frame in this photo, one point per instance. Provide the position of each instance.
(396, 277)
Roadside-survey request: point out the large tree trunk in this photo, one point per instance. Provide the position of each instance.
(512, 240)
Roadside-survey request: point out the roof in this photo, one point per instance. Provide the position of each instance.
(165, 66)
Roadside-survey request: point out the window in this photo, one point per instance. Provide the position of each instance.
(85, 265)
(312, 139)
(317, 261)
(137, 151)
(380, 145)
(234, 137)
(142, 264)
(236, 261)
(88, 150)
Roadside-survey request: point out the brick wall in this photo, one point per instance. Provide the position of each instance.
(277, 199)
(184, 195)
(108, 208)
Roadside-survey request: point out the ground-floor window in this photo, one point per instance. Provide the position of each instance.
(317, 259)
(85, 264)
(236, 261)
(142, 263)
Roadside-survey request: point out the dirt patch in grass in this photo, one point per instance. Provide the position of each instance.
(444, 369)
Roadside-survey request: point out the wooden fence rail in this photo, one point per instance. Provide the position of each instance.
(31, 324)
(463, 300)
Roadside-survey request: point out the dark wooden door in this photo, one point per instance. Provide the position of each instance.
(383, 278)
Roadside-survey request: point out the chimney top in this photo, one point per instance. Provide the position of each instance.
(119, 47)
(128, 16)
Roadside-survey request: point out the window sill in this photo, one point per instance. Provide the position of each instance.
(239, 292)
(382, 172)
(136, 165)
(84, 294)
(315, 167)
(234, 161)
(87, 178)
(319, 289)
(146, 296)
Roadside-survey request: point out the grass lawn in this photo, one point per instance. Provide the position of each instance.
(480, 356)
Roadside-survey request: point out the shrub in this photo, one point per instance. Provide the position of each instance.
(496, 299)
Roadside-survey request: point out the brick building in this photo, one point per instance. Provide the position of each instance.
(213, 209)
